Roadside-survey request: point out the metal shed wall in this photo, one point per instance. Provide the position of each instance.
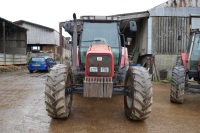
(141, 37)
(13, 51)
(171, 11)
(171, 34)
(15, 42)
(57, 38)
(40, 35)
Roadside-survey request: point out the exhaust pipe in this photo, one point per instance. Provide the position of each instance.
(74, 54)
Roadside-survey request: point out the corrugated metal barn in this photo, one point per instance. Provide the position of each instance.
(42, 40)
(171, 25)
(164, 30)
(12, 43)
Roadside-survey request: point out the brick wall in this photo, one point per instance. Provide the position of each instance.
(50, 48)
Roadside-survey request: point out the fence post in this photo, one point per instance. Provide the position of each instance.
(4, 44)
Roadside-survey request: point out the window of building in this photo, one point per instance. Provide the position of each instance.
(37, 48)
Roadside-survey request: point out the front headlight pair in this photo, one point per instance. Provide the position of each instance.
(102, 69)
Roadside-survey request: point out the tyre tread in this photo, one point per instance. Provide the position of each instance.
(178, 84)
(142, 93)
(55, 98)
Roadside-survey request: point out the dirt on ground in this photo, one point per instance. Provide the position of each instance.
(11, 68)
(22, 110)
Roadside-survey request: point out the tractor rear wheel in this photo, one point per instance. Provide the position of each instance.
(138, 101)
(58, 102)
(178, 84)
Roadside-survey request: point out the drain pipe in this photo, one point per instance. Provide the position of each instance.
(74, 55)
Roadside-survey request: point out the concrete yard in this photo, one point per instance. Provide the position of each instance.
(22, 110)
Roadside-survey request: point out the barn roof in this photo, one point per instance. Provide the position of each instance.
(27, 22)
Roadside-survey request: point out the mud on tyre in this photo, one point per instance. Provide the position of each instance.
(179, 61)
(178, 84)
(139, 101)
(58, 102)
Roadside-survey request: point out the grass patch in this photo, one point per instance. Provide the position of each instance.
(169, 79)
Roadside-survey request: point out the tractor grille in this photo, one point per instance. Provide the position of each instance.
(100, 87)
(99, 61)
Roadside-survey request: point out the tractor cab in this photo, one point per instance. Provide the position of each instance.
(95, 30)
(193, 51)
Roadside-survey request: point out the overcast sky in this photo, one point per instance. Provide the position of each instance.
(50, 12)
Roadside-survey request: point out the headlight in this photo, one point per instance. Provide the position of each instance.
(93, 69)
(104, 69)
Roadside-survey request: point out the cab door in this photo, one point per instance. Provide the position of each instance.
(195, 52)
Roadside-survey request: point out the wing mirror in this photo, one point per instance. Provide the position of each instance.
(67, 26)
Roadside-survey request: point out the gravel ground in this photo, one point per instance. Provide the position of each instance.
(22, 110)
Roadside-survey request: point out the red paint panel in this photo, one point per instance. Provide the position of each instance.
(184, 59)
(99, 49)
(124, 58)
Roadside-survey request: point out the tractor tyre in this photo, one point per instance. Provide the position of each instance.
(179, 61)
(146, 62)
(138, 101)
(178, 84)
(58, 101)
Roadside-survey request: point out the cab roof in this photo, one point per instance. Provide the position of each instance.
(100, 18)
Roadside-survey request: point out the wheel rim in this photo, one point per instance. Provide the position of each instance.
(129, 100)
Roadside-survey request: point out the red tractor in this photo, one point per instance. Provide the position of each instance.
(187, 67)
(100, 68)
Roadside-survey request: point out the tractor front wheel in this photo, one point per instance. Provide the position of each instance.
(138, 101)
(58, 102)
